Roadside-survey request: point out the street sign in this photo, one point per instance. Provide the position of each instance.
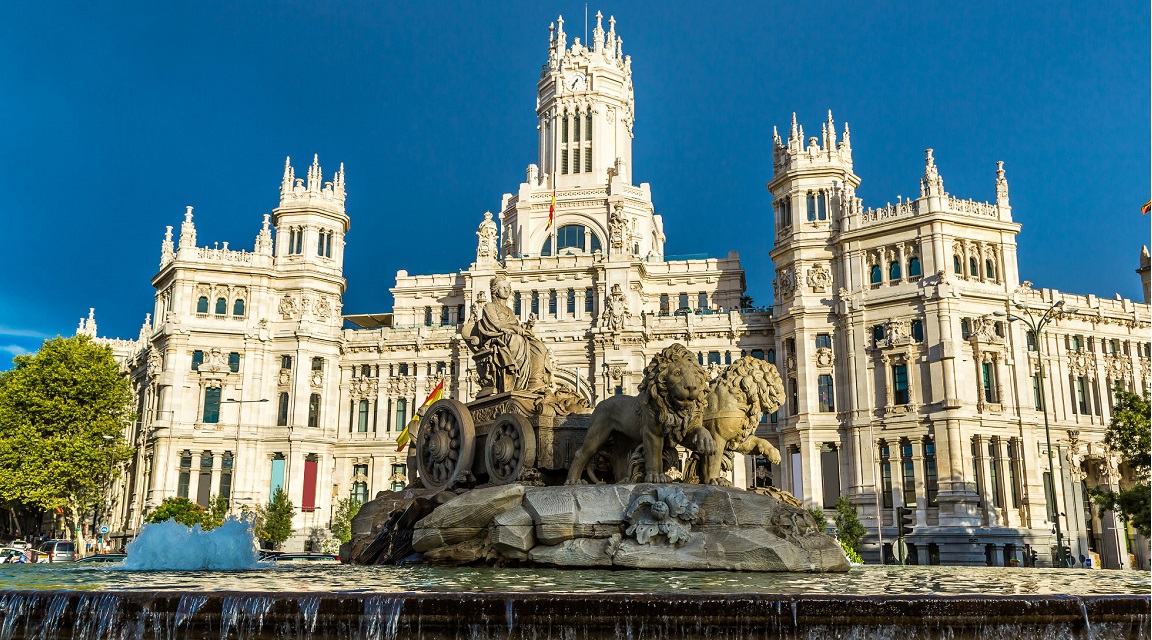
(103, 530)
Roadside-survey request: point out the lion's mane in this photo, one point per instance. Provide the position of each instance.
(756, 385)
(672, 415)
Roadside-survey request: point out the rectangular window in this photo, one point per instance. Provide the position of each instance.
(811, 207)
(225, 489)
(1013, 493)
(825, 393)
(588, 159)
(427, 316)
(204, 487)
(664, 306)
(885, 478)
(900, 384)
(285, 362)
(212, 405)
(702, 301)
(197, 359)
(277, 481)
(314, 410)
(445, 316)
(185, 474)
(571, 307)
(823, 341)
(994, 475)
(401, 414)
(758, 354)
(1036, 399)
(794, 399)
(1081, 395)
(564, 157)
(362, 419)
(536, 303)
(909, 473)
(518, 304)
(234, 362)
(308, 498)
(986, 378)
(683, 302)
(821, 211)
(552, 303)
(1049, 496)
(360, 483)
(931, 483)
(576, 160)
(589, 299)
(282, 410)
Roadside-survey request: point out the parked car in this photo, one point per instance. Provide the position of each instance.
(8, 553)
(105, 557)
(303, 557)
(58, 551)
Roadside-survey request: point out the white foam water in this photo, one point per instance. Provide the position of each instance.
(171, 546)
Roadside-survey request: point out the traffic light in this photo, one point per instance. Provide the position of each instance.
(905, 520)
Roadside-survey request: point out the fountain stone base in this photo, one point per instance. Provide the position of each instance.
(640, 526)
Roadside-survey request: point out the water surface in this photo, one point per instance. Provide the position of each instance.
(867, 580)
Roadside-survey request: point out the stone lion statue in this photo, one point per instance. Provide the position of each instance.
(665, 413)
(736, 400)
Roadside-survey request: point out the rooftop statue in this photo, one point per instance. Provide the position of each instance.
(508, 356)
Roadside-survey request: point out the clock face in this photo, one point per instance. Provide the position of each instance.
(575, 82)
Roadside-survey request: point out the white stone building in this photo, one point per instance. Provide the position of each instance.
(904, 388)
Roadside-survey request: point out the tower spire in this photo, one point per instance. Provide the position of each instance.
(794, 134)
(315, 178)
(931, 184)
(187, 231)
(598, 33)
(830, 133)
(1001, 185)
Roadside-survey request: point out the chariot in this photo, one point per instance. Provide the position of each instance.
(502, 438)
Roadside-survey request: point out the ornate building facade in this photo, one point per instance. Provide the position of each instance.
(904, 387)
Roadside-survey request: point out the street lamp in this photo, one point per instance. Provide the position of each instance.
(1035, 326)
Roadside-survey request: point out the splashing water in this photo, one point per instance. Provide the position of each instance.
(171, 546)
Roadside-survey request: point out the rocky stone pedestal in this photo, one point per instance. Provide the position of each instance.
(642, 526)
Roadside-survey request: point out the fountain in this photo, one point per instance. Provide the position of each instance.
(531, 548)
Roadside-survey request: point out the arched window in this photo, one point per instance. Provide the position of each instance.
(894, 270)
(973, 268)
(772, 356)
(913, 267)
(989, 269)
(202, 305)
(918, 331)
(874, 274)
(238, 308)
(957, 266)
(574, 238)
(221, 306)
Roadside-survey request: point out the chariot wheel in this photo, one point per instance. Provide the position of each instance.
(444, 444)
(510, 448)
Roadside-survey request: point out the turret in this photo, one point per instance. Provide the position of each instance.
(187, 231)
(88, 326)
(932, 184)
(310, 221)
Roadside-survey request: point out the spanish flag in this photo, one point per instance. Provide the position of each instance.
(551, 210)
(1147, 207)
(406, 435)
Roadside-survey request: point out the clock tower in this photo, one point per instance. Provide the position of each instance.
(585, 109)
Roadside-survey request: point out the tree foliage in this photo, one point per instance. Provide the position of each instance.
(821, 519)
(848, 527)
(346, 509)
(181, 510)
(1129, 436)
(274, 520)
(63, 411)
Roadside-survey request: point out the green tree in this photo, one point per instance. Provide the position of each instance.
(274, 521)
(63, 411)
(217, 512)
(346, 509)
(848, 527)
(819, 517)
(181, 510)
(1129, 436)
(746, 302)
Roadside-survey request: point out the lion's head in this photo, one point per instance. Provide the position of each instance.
(754, 384)
(674, 387)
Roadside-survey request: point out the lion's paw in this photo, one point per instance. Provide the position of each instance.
(575, 482)
(720, 482)
(700, 441)
(657, 478)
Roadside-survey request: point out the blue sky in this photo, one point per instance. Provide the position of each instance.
(117, 116)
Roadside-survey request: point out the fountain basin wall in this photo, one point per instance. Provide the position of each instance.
(479, 616)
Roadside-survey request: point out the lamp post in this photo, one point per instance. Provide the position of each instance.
(108, 489)
(1036, 326)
